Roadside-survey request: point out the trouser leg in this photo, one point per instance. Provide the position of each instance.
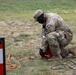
(54, 44)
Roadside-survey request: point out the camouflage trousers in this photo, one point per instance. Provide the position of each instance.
(57, 41)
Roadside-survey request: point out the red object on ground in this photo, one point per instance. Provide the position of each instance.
(48, 54)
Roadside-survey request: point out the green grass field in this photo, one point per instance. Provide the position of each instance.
(25, 8)
(23, 35)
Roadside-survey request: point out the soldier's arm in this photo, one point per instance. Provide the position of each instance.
(50, 27)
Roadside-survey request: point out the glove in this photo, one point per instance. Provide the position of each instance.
(41, 53)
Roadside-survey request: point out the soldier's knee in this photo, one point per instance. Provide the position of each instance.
(50, 36)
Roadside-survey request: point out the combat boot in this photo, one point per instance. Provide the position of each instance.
(64, 53)
(72, 51)
(58, 57)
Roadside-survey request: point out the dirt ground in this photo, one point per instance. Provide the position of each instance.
(23, 38)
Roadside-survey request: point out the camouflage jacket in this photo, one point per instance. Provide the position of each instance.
(54, 22)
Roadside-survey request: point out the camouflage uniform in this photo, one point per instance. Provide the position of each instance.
(58, 35)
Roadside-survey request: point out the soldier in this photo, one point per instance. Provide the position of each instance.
(57, 34)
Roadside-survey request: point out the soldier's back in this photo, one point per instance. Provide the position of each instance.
(60, 24)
